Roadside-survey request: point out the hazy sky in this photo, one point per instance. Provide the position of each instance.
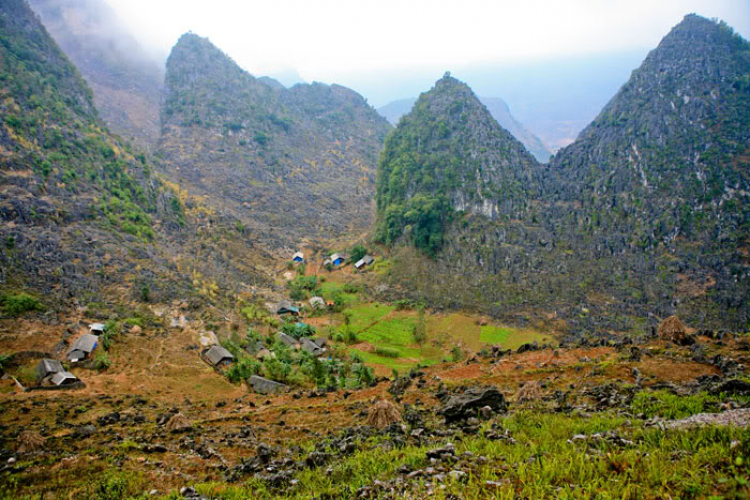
(326, 40)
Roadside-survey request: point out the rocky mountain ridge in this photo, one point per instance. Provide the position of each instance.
(297, 162)
(647, 213)
(83, 213)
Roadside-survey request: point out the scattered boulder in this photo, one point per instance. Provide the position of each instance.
(383, 414)
(399, 385)
(449, 450)
(534, 346)
(463, 406)
(737, 418)
(732, 386)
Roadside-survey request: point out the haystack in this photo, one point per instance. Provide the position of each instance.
(673, 330)
(383, 414)
(179, 423)
(30, 441)
(530, 391)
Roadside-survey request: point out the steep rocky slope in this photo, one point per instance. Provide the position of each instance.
(126, 80)
(292, 162)
(81, 212)
(646, 214)
(499, 110)
(449, 154)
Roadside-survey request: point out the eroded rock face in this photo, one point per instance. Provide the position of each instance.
(466, 405)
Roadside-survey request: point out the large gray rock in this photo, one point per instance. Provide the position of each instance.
(462, 406)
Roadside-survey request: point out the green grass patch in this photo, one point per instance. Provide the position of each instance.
(387, 352)
(542, 462)
(666, 405)
(331, 289)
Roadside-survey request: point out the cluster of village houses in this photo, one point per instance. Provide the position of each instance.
(219, 357)
(51, 373)
(337, 260)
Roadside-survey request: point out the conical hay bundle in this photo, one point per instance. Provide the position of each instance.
(383, 414)
(672, 328)
(30, 441)
(530, 391)
(178, 422)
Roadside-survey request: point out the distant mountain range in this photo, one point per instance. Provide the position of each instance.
(498, 109)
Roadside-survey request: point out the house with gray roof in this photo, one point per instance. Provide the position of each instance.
(311, 347)
(286, 307)
(46, 368)
(364, 262)
(82, 348)
(64, 378)
(265, 386)
(96, 328)
(317, 303)
(288, 340)
(218, 355)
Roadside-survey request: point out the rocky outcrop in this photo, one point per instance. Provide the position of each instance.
(467, 404)
(296, 162)
(643, 216)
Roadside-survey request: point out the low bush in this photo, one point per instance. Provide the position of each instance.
(16, 304)
(387, 352)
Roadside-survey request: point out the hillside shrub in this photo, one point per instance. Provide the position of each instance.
(387, 352)
(16, 304)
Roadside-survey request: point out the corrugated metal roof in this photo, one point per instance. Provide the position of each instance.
(96, 327)
(63, 377)
(283, 337)
(217, 354)
(286, 306)
(50, 366)
(85, 343)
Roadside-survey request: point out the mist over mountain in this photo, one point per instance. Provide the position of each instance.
(125, 78)
(227, 286)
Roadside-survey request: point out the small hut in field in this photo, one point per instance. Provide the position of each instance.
(673, 330)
